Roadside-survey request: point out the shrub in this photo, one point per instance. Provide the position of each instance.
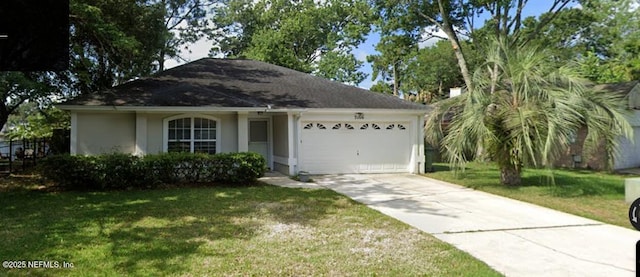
(71, 172)
(239, 167)
(121, 171)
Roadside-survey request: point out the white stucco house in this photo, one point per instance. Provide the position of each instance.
(298, 122)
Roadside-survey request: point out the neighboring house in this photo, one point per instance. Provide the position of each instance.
(629, 151)
(298, 122)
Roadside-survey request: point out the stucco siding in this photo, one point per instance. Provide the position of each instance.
(280, 136)
(154, 135)
(100, 133)
(229, 133)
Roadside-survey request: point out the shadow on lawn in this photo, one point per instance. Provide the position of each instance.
(146, 232)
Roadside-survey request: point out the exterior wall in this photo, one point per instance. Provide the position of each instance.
(280, 136)
(589, 158)
(106, 132)
(628, 155)
(102, 132)
(154, 133)
(229, 133)
(280, 143)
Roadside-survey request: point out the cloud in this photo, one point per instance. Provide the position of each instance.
(198, 50)
(361, 55)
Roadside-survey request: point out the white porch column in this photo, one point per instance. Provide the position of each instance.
(141, 134)
(243, 131)
(74, 133)
(292, 139)
(421, 157)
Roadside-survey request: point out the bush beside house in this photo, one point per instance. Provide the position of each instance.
(122, 171)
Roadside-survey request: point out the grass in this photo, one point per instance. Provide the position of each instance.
(203, 231)
(594, 195)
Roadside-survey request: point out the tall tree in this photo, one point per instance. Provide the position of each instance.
(604, 35)
(32, 121)
(16, 88)
(456, 19)
(431, 73)
(531, 115)
(395, 50)
(185, 21)
(112, 41)
(295, 34)
(341, 67)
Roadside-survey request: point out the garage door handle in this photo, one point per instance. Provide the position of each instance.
(357, 152)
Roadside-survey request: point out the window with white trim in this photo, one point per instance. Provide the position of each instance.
(192, 134)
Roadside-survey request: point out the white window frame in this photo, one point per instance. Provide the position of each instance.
(165, 130)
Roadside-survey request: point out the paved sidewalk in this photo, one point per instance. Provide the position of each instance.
(513, 237)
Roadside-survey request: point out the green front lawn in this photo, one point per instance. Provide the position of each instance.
(594, 195)
(251, 231)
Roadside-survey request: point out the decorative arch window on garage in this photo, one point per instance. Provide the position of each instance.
(192, 134)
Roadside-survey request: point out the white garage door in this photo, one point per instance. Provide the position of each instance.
(355, 147)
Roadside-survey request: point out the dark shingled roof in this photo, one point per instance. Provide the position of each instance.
(212, 82)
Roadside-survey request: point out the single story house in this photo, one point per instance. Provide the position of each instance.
(628, 155)
(298, 122)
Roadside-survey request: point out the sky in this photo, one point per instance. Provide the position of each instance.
(201, 48)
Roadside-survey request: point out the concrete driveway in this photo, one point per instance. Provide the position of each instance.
(513, 237)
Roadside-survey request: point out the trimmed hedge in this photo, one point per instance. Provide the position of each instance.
(121, 171)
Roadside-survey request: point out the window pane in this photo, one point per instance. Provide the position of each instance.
(175, 146)
(204, 147)
(257, 131)
(180, 137)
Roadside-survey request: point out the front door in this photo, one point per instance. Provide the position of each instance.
(259, 138)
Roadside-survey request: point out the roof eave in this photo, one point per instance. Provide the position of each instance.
(368, 110)
(158, 109)
(172, 109)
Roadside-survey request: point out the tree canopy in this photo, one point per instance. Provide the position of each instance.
(305, 35)
(526, 114)
(112, 41)
(601, 34)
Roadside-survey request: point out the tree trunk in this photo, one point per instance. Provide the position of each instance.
(447, 28)
(161, 60)
(396, 82)
(510, 176)
(4, 115)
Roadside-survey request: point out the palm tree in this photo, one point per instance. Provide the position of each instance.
(529, 119)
